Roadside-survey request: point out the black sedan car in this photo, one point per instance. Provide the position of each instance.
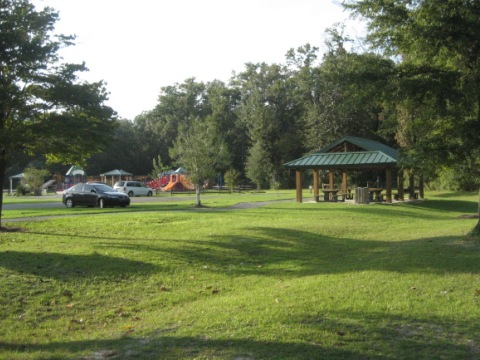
(94, 194)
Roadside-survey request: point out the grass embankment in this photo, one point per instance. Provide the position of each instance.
(287, 281)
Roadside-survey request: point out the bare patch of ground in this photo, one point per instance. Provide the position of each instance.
(10, 229)
(468, 216)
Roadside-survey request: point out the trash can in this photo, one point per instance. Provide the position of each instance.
(362, 196)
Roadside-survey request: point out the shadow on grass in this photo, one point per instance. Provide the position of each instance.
(448, 205)
(446, 195)
(330, 336)
(398, 336)
(186, 348)
(65, 266)
(447, 208)
(284, 252)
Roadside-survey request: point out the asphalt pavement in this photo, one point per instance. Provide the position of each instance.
(56, 201)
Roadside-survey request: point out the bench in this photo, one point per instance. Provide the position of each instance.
(396, 196)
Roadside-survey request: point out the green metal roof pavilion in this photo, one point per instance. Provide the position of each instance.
(351, 153)
(347, 153)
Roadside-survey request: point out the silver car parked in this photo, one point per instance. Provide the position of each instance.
(133, 188)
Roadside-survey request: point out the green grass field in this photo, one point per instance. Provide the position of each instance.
(285, 281)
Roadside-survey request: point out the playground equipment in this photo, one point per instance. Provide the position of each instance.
(172, 180)
(178, 182)
(74, 175)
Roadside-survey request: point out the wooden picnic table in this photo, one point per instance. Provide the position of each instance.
(330, 194)
(376, 194)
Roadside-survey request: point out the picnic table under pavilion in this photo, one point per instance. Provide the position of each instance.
(353, 154)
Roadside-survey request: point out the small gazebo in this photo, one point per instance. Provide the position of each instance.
(75, 175)
(351, 154)
(114, 174)
(15, 177)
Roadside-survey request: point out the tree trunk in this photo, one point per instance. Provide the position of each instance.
(197, 196)
(3, 169)
(476, 229)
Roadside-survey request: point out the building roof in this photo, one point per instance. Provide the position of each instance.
(348, 152)
(365, 144)
(117, 173)
(18, 176)
(75, 170)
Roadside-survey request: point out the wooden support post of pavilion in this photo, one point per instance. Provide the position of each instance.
(331, 180)
(400, 186)
(344, 182)
(388, 181)
(298, 182)
(316, 185)
(350, 153)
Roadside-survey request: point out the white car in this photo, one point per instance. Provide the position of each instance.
(133, 188)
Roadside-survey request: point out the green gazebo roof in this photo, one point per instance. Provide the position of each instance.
(117, 173)
(75, 170)
(349, 152)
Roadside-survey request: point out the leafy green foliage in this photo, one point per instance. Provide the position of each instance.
(268, 110)
(231, 178)
(158, 167)
(438, 83)
(201, 152)
(257, 167)
(437, 100)
(44, 109)
(21, 190)
(35, 178)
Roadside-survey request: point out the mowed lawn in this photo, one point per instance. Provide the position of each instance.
(282, 281)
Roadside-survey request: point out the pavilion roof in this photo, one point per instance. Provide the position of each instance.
(75, 170)
(117, 173)
(18, 176)
(349, 152)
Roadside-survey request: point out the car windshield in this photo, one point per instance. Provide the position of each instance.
(104, 188)
(119, 183)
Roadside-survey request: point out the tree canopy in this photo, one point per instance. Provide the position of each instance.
(415, 85)
(199, 149)
(436, 105)
(44, 108)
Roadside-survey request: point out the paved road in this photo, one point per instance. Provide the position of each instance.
(57, 201)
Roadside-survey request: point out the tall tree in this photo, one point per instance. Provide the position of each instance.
(223, 102)
(269, 110)
(177, 104)
(44, 108)
(343, 94)
(258, 167)
(437, 45)
(125, 151)
(200, 150)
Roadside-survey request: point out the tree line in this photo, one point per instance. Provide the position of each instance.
(265, 116)
(414, 86)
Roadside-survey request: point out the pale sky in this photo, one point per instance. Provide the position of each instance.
(139, 46)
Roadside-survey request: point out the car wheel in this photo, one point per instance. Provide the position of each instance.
(130, 193)
(149, 193)
(101, 203)
(69, 203)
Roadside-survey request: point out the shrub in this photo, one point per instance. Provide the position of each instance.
(22, 190)
(35, 178)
